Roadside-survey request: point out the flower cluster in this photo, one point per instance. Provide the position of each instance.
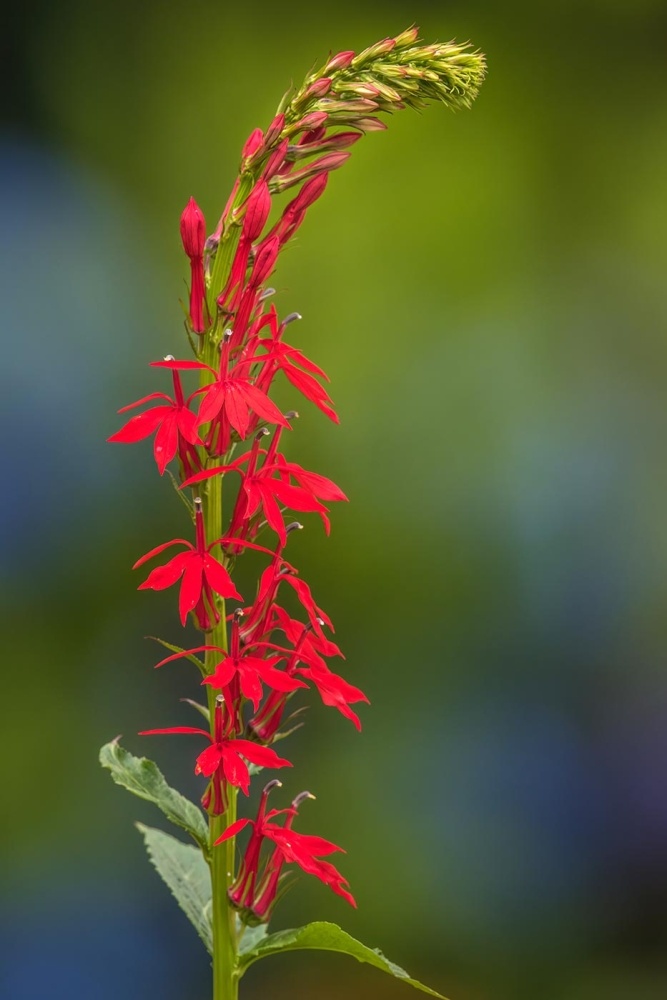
(276, 644)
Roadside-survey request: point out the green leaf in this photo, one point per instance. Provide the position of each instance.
(250, 937)
(327, 937)
(187, 874)
(143, 778)
(179, 649)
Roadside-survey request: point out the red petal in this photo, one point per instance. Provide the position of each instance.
(147, 399)
(224, 672)
(160, 548)
(187, 652)
(183, 366)
(256, 754)
(261, 403)
(235, 770)
(236, 408)
(211, 403)
(165, 576)
(295, 497)
(166, 442)
(219, 578)
(139, 427)
(232, 830)
(175, 729)
(273, 516)
(187, 425)
(191, 585)
(208, 760)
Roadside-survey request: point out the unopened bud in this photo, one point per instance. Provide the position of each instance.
(274, 130)
(320, 88)
(253, 143)
(340, 61)
(370, 124)
(310, 192)
(275, 161)
(265, 259)
(257, 211)
(407, 37)
(315, 119)
(193, 229)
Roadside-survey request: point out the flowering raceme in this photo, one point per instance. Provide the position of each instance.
(276, 644)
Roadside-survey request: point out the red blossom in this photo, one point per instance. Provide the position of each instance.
(224, 761)
(202, 575)
(256, 894)
(174, 423)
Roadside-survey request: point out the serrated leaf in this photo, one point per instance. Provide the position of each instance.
(184, 870)
(143, 778)
(250, 937)
(327, 937)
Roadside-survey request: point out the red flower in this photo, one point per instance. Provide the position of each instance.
(202, 575)
(232, 395)
(225, 759)
(257, 895)
(269, 486)
(193, 235)
(251, 671)
(176, 427)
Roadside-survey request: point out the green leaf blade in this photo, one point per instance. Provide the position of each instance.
(184, 870)
(324, 936)
(143, 778)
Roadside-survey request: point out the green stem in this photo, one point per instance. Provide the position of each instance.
(222, 858)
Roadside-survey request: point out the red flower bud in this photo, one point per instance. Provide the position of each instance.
(274, 130)
(193, 229)
(265, 259)
(253, 143)
(275, 161)
(318, 89)
(257, 211)
(370, 124)
(193, 235)
(313, 120)
(309, 193)
(340, 61)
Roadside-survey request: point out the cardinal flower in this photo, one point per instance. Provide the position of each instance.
(257, 894)
(202, 575)
(225, 759)
(175, 425)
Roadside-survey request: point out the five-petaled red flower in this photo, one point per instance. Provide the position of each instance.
(202, 576)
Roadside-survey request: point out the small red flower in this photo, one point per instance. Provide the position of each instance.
(175, 425)
(202, 575)
(225, 759)
(193, 235)
(257, 894)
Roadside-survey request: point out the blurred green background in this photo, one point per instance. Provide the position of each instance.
(487, 293)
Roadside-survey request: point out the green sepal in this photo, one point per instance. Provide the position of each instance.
(143, 778)
(184, 870)
(326, 937)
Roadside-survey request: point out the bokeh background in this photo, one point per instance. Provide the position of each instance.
(487, 293)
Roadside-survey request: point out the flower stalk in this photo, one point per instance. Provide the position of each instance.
(276, 644)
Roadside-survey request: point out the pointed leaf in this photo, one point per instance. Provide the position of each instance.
(143, 778)
(327, 937)
(184, 870)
